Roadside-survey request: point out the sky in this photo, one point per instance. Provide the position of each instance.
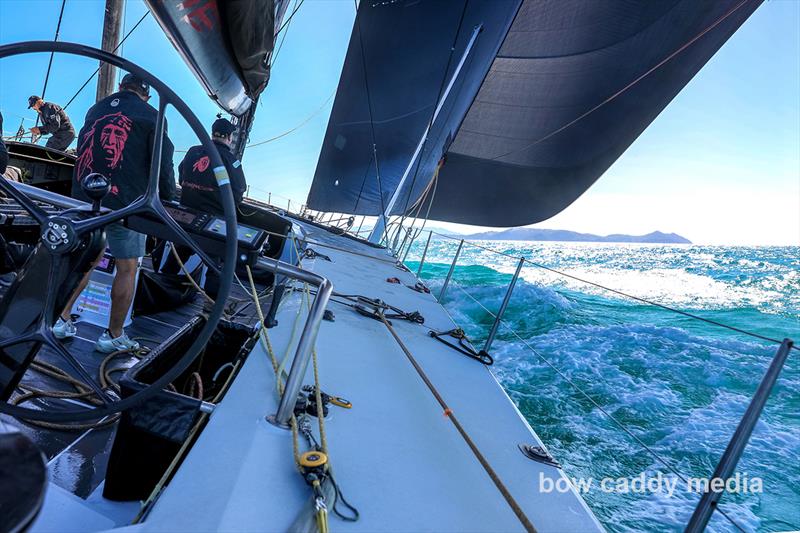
(721, 165)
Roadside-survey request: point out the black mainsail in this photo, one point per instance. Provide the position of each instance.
(553, 92)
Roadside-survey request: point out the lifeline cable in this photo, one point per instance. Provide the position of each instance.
(632, 297)
(612, 418)
(526, 523)
(591, 400)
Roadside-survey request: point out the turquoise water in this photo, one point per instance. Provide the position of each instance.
(680, 385)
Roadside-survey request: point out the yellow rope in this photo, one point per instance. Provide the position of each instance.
(188, 275)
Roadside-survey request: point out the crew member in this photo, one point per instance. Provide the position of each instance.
(199, 189)
(117, 141)
(54, 121)
(3, 151)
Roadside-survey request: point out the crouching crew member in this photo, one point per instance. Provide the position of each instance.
(54, 121)
(117, 142)
(199, 189)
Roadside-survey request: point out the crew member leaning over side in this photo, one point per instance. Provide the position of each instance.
(54, 121)
(199, 189)
(117, 141)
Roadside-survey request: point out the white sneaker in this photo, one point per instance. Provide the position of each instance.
(107, 344)
(64, 329)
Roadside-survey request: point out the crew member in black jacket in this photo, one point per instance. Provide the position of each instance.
(198, 185)
(199, 189)
(117, 141)
(54, 121)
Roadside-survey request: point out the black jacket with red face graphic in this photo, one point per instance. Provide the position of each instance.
(116, 140)
(199, 188)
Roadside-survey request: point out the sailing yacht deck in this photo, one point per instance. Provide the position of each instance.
(396, 457)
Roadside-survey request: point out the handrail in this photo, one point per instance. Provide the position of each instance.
(308, 336)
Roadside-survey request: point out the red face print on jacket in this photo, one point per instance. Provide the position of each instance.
(105, 140)
(201, 164)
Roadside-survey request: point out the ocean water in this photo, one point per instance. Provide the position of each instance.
(679, 385)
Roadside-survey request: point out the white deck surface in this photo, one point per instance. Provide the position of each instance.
(397, 458)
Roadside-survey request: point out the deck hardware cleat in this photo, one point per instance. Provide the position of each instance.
(538, 454)
(310, 253)
(420, 287)
(464, 346)
(327, 398)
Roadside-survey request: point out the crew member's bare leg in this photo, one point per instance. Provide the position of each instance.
(82, 285)
(122, 294)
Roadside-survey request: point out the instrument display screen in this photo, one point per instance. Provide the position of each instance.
(243, 233)
(181, 216)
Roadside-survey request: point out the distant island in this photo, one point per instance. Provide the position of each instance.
(535, 234)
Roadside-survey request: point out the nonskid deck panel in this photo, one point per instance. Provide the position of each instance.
(395, 454)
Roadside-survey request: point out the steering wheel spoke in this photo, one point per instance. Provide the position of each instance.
(39, 214)
(82, 227)
(51, 342)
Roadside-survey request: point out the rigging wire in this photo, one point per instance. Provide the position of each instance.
(290, 130)
(291, 16)
(112, 51)
(274, 57)
(298, 126)
(50, 62)
(371, 120)
(629, 85)
(124, 29)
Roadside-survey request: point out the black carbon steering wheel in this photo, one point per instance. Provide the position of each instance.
(71, 231)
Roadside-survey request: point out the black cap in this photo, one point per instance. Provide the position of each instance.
(135, 82)
(32, 100)
(222, 127)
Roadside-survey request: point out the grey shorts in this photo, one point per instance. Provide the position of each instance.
(123, 242)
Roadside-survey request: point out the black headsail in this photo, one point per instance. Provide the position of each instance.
(553, 92)
(227, 44)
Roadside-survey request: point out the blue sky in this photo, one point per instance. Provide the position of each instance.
(720, 165)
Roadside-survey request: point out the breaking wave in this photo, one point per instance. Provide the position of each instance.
(679, 385)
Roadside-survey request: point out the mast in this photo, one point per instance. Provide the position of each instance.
(112, 24)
